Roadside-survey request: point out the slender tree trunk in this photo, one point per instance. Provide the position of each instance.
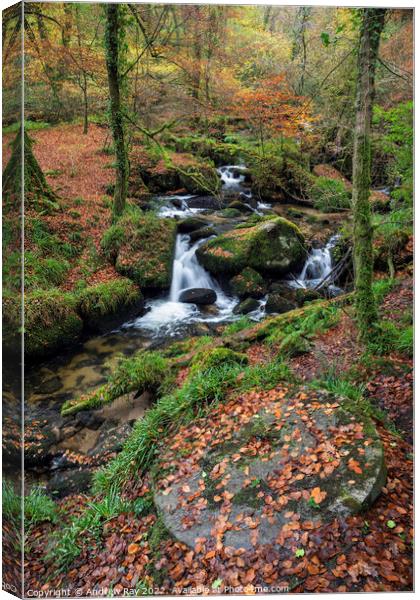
(112, 50)
(85, 106)
(371, 28)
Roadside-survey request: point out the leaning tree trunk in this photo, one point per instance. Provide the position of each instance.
(112, 53)
(370, 32)
(38, 193)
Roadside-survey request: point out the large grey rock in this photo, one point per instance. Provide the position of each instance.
(300, 456)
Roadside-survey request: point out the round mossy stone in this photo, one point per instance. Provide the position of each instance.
(262, 466)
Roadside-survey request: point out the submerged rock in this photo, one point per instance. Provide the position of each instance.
(198, 296)
(294, 457)
(274, 246)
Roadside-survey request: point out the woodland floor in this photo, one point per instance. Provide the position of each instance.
(368, 552)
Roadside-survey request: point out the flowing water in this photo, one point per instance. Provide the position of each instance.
(167, 316)
(317, 267)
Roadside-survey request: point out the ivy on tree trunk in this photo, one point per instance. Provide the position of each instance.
(370, 32)
(112, 54)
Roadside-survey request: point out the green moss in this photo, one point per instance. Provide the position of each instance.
(142, 246)
(107, 299)
(248, 283)
(145, 371)
(209, 359)
(274, 246)
(230, 213)
(51, 322)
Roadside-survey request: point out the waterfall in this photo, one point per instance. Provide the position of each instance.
(187, 271)
(231, 176)
(317, 266)
(167, 316)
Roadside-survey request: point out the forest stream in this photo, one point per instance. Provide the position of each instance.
(85, 367)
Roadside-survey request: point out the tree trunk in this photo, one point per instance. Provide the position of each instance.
(112, 50)
(370, 32)
(85, 106)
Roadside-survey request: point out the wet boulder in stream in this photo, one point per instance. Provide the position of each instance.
(198, 296)
(272, 246)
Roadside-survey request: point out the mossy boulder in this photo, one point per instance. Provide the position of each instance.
(276, 303)
(261, 466)
(248, 283)
(175, 171)
(51, 322)
(208, 359)
(102, 305)
(241, 206)
(246, 306)
(202, 233)
(142, 248)
(191, 224)
(272, 246)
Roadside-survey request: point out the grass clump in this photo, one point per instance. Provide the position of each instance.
(391, 338)
(237, 326)
(67, 546)
(205, 360)
(265, 375)
(106, 299)
(169, 413)
(292, 337)
(37, 507)
(145, 371)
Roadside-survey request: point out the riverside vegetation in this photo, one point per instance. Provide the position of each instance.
(207, 405)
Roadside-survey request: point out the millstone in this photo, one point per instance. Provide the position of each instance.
(257, 471)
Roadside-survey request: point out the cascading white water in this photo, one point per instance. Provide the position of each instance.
(231, 176)
(187, 271)
(168, 316)
(317, 267)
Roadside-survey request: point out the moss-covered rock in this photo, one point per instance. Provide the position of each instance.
(246, 306)
(276, 303)
(208, 359)
(273, 246)
(248, 283)
(142, 247)
(51, 322)
(172, 172)
(100, 305)
(191, 224)
(202, 233)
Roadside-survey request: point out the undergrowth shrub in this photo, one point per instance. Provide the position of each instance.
(330, 194)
